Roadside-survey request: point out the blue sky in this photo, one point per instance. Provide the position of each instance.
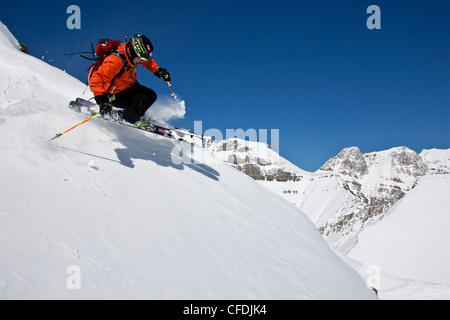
(311, 69)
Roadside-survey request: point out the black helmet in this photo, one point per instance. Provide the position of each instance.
(142, 46)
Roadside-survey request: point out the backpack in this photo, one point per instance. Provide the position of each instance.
(104, 48)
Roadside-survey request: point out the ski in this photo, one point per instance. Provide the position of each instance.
(88, 108)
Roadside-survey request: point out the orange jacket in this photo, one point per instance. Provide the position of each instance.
(111, 66)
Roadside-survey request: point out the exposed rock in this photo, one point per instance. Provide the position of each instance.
(23, 47)
(349, 161)
(256, 159)
(253, 171)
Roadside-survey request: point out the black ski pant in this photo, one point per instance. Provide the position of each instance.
(135, 101)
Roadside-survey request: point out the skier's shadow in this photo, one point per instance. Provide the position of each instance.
(163, 152)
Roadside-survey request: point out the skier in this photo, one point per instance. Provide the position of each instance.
(125, 92)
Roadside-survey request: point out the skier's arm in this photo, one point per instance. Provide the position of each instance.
(151, 65)
(157, 71)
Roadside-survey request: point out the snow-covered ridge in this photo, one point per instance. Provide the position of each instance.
(104, 211)
(387, 174)
(437, 160)
(349, 162)
(7, 39)
(256, 159)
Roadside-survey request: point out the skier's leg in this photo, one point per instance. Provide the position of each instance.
(142, 100)
(136, 101)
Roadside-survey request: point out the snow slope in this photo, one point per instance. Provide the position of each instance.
(412, 240)
(111, 212)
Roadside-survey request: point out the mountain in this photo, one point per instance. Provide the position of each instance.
(255, 159)
(438, 161)
(376, 181)
(347, 192)
(386, 209)
(109, 212)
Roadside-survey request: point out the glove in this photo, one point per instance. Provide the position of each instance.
(105, 110)
(163, 74)
(105, 107)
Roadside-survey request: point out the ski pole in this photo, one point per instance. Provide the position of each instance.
(170, 87)
(84, 121)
